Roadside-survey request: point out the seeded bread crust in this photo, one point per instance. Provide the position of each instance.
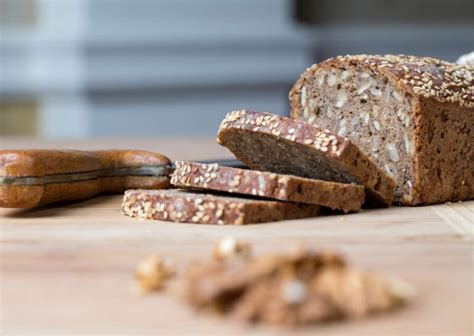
(189, 207)
(425, 143)
(269, 142)
(340, 196)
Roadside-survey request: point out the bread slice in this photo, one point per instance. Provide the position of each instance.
(341, 196)
(412, 116)
(192, 207)
(269, 142)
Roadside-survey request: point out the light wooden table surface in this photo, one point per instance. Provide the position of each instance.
(69, 269)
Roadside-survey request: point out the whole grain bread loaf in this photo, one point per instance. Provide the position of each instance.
(341, 196)
(192, 207)
(273, 143)
(412, 116)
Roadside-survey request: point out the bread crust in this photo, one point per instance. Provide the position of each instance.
(323, 154)
(442, 100)
(188, 207)
(340, 196)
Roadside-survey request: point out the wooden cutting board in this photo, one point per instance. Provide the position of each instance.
(69, 269)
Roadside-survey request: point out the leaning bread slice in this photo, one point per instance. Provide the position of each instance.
(341, 196)
(412, 116)
(191, 207)
(269, 142)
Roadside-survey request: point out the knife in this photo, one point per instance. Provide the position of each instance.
(30, 178)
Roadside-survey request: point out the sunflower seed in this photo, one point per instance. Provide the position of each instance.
(304, 96)
(366, 118)
(332, 79)
(375, 111)
(363, 88)
(375, 92)
(407, 142)
(341, 99)
(329, 112)
(393, 153)
(377, 125)
(397, 96)
(345, 74)
(390, 169)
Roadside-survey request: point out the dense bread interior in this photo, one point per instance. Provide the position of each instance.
(445, 153)
(262, 152)
(354, 102)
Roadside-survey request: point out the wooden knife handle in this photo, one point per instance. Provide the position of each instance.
(100, 166)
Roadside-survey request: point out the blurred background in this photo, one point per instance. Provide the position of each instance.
(84, 68)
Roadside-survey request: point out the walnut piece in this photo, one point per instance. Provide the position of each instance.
(152, 273)
(300, 287)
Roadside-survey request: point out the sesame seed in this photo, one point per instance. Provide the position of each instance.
(429, 77)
